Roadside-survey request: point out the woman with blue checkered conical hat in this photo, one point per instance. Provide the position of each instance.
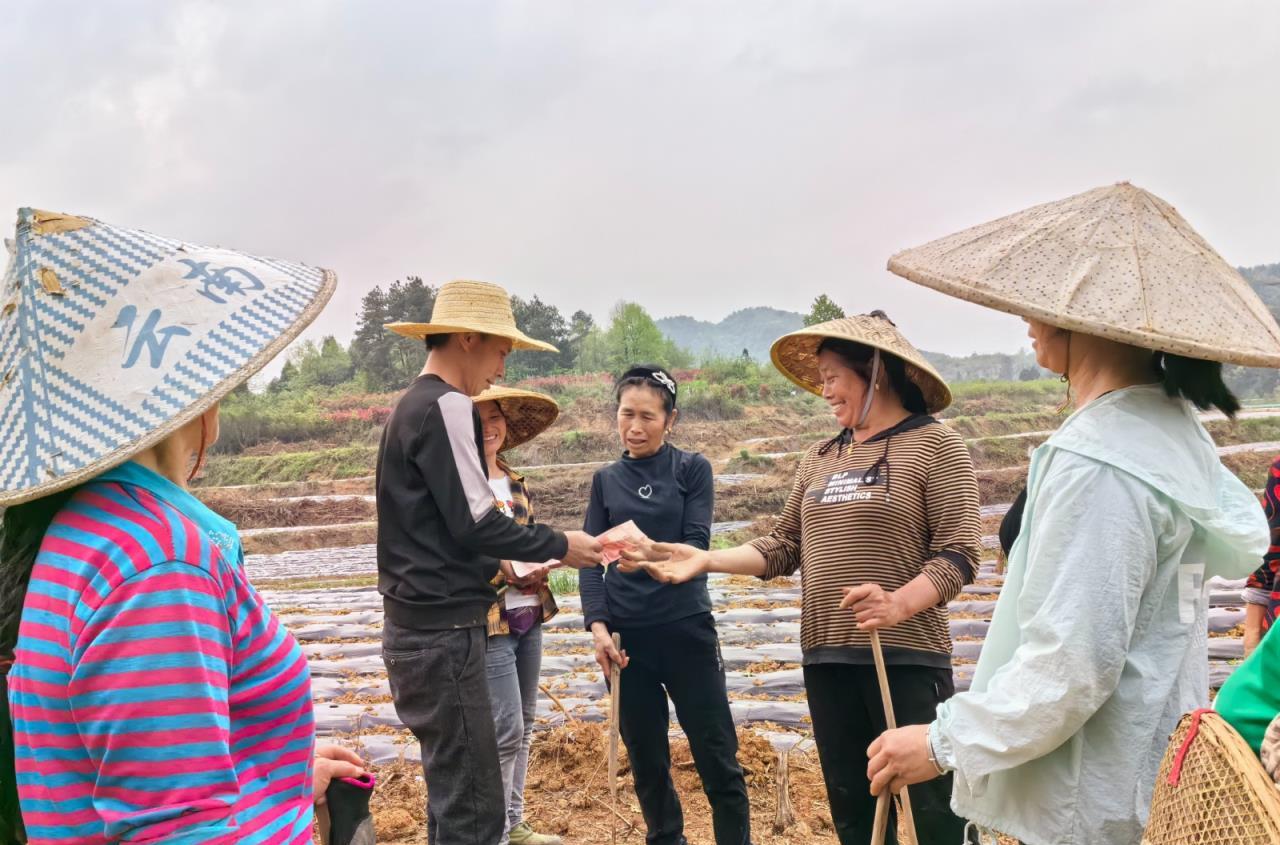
(153, 696)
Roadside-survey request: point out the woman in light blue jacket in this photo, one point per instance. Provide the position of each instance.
(1098, 643)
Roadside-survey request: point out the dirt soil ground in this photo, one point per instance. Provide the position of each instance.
(570, 794)
(568, 785)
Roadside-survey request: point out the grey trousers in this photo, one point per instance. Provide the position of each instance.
(513, 663)
(441, 694)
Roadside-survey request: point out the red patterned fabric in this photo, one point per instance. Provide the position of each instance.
(1267, 578)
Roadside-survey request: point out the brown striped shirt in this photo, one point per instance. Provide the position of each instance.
(903, 503)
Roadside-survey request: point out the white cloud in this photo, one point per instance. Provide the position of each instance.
(696, 157)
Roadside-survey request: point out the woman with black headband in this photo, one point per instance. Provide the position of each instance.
(882, 524)
(667, 631)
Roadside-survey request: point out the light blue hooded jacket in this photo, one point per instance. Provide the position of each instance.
(1099, 641)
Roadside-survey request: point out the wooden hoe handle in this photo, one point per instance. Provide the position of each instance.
(882, 802)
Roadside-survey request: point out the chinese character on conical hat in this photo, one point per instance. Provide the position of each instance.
(1117, 262)
(111, 339)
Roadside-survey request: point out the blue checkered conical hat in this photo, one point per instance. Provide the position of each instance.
(111, 339)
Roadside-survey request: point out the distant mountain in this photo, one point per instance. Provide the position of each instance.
(752, 329)
(996, 366)
(1265, 279)
(755, 329)
(1255, 382)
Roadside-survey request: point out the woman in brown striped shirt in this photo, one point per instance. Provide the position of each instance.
(882, 524)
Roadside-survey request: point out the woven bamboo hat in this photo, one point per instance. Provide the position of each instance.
(1117, 262)
(464, 306)
(1212, 788)
(796, 354)
(528, 414)
(111, 339)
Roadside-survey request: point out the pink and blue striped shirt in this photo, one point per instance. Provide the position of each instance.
(155, 698)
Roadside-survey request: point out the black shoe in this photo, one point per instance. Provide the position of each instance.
(349, 820)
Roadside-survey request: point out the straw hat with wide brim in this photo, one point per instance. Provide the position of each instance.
(528, 414)
(464, 306)
(1117, 262)
(111, 339)
(796, 355)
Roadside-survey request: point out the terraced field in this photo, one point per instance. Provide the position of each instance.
(312, 557)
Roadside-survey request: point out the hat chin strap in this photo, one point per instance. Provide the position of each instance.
(871, 391)
(200, 456)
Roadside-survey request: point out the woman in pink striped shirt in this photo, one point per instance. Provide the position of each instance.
(153, 696)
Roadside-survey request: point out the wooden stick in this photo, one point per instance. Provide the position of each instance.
(615, 681)
(628, 822)
(568, 717)
(908, 820)
(785, 815)
(323, 822)
(882, 819)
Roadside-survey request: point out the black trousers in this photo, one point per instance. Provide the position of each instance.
(681, 659)
(441, 694)
(848, 715)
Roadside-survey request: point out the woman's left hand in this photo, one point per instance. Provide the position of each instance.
(873, 606)
(900, 758)
(334, 761)
(531, 580)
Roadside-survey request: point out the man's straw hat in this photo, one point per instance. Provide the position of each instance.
(464, 306)
(796, 354)
(111, 339)
(1117, 262)
(528, 414)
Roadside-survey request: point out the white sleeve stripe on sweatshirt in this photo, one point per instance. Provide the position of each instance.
(456, 410)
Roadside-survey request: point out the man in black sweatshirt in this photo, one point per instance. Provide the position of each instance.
(440, 538)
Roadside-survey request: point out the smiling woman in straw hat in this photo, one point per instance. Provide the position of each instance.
(1097, 645)
(882, 522)
(153, 695)
(513, 660)
(440, 537)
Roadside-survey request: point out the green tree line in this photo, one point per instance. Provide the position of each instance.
(380, 360)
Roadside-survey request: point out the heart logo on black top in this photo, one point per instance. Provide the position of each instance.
(645, 491)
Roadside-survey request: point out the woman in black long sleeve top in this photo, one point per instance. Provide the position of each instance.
(668, 634)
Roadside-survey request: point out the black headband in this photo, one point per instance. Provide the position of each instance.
(656, 375)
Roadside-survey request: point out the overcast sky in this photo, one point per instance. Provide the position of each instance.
(694, 157)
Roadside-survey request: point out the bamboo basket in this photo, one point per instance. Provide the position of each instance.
(1212, 789)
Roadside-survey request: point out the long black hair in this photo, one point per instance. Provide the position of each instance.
(1196, 380)
(22, 530)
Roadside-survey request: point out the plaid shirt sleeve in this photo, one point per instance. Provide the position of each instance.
(522, 512)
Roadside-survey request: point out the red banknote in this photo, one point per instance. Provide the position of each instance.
(619, 539)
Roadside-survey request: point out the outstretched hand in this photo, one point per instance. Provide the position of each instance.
(584, 550)
(670, 563)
